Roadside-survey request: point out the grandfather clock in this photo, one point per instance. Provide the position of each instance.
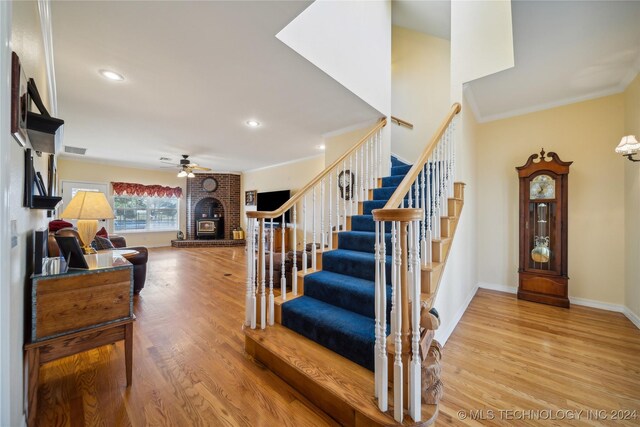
(543, 230)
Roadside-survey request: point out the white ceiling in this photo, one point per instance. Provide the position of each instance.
(194, 73)
(427, 16)
(565, 52)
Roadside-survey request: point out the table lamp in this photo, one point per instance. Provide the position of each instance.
(88, 207)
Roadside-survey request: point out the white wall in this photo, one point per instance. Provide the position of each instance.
(632, 203)
(27, 41)
(420, 89)
(9, 409)
(481, 44)
(481, 40)
(351, 42)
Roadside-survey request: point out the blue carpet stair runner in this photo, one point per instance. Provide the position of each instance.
(337, 308)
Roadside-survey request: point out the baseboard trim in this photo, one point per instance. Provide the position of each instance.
(635, 319)
(618, 308)
(499, 288)
(402, 159)
(442, 335)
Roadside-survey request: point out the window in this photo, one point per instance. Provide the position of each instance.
(146, 213)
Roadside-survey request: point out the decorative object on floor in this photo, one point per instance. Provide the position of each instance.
(345, 183)
(250, 197)
(88, 207)
(19, 101)
(543, 230)
(432, 387)
(210, 184)
(180, 235)
(628, 147)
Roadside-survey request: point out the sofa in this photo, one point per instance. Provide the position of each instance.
(138, 260)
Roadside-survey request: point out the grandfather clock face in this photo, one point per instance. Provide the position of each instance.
(542, 222)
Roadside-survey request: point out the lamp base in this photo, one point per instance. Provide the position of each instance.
(87, 229)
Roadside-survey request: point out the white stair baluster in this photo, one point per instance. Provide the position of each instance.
(263, 274)
(355, 188)
(294, 268)
(313, 249)
(378, 331)
(350, 186)
(423, 205)
(304, 234)
(344, 201)
(284, 296)
(283, 277)
(384, 367)
(330, 199)
(249, 285)
(339, 223)
(398, 379)
(363, 195)
(415, 383)
(254, 279)
(323, 231)
(394, 243)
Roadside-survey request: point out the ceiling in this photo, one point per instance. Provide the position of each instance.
(195, 72)
(430, 17)
(565, 52)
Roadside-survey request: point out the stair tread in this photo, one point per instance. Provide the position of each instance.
(337, 376)
(347, 292)
(332, 327)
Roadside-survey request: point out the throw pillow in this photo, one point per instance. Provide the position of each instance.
(58, 224)
(102, 243)
(103, 233)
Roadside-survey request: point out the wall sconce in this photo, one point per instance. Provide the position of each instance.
(628, 146)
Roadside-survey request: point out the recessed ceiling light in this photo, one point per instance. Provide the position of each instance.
(321, 147)
(111, 75)
(252, 123)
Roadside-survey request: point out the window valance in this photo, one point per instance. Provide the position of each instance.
(131, 189)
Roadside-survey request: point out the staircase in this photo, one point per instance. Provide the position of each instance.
(337, 309)
(362, 298)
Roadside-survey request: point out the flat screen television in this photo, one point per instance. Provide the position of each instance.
(272, 200)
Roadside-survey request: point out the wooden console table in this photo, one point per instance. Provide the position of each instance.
(77, 311)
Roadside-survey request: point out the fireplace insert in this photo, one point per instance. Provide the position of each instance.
(210, 228)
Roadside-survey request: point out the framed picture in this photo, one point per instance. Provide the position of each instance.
(250, 197)
(19, 101)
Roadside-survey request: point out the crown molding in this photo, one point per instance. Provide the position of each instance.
(549, 105)
(288, 162)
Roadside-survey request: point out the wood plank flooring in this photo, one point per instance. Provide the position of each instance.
(190, 368)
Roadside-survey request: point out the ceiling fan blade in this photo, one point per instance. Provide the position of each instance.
(200, 168)
(170, 163)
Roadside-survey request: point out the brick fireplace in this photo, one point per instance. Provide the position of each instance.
(223, 203)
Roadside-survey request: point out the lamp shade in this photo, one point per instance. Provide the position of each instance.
(628, 145)
(88, 205)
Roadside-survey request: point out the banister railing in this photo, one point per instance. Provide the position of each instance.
(325, 204)
(412, 216)
(401, 122)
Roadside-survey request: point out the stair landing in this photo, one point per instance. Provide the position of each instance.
(341, 388)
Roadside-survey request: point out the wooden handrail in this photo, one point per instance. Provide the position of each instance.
(415, 170)
(294, 199)
(401, 122)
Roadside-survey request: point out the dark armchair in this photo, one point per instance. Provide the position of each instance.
(138, 260)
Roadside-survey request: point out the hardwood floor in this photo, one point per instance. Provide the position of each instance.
(190, 368)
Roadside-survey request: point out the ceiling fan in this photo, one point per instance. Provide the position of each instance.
(187, 167)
